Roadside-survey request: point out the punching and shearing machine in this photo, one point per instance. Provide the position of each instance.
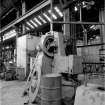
(51, 58)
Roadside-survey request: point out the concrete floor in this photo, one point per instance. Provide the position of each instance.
(11, 92)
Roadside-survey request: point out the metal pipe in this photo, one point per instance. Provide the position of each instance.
(78, 22)
(8, 13)
(16, 29)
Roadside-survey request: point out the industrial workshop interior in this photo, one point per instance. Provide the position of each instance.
(52, 52)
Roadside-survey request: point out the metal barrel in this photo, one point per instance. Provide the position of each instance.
(51, 89)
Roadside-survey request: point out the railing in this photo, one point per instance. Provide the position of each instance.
(94, 73)
(93, 67)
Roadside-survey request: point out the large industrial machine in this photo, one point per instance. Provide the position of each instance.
(51, 58)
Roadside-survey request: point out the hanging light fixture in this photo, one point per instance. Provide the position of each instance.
(9, 34)
(43, 20)
(58, 11)
(37, 21)
(47, 17)
(27, 28)
(53, 15)
(75, 8)
(95, 27)
(33, 23)
(28, 23)
(87, 5)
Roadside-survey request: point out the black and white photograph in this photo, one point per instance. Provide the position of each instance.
(52, 52)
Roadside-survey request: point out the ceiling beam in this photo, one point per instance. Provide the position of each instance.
(28, 14)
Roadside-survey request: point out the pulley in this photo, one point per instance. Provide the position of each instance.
(48, 45)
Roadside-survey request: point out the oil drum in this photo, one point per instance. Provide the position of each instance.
(51, 89)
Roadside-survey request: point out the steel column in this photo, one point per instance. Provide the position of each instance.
(1, 46)
(102, 32)
(73, 33)
(102, 19)
(70, 29)
(23, 13)
(66, 26)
